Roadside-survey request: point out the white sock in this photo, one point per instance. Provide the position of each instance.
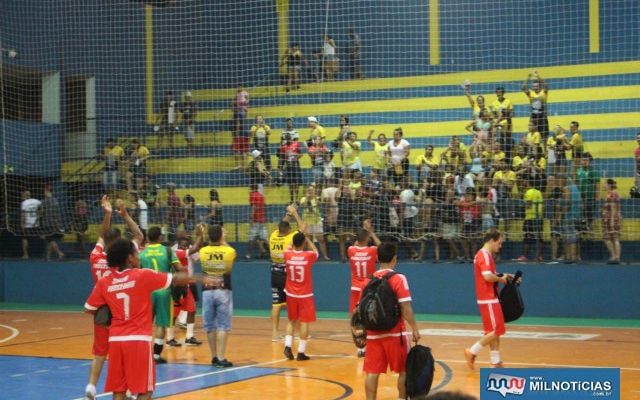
(190, 329)
(158, 341)
(495, 357)
(475, 349)
(170, 334)
(90, 389)
(288, 341)
(182, 317)
(302, 346)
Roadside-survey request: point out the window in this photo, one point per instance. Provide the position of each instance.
(21, 94)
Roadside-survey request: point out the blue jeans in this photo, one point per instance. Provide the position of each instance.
(217, 308)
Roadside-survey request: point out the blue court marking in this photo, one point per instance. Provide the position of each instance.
(64, 379)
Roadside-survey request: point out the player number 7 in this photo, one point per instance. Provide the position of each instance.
(125, 298)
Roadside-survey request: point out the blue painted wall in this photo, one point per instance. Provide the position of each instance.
(551, 291)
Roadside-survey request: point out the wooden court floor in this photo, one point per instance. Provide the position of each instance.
(334, 372)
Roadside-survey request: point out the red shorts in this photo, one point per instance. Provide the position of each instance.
(386, 352)
(354, 299)
(187, 303)
(240, 144)
(303, 310)
(492, 318)
(131, 367)
(100, 340)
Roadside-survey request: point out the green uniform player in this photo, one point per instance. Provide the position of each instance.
(160, 258)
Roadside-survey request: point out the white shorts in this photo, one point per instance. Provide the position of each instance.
(257, 231)
(189, 132)
(315, 229)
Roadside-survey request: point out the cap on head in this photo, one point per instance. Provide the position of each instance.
(313, 119)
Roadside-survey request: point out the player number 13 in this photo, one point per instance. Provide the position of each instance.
(296, 273)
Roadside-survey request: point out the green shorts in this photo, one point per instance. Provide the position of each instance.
(162, 308)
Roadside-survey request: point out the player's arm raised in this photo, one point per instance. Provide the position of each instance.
(138, 238)
(197, 245)
(105, 203)
(366, 224)
(293, 212)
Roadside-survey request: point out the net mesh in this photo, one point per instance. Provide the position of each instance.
(190, 106)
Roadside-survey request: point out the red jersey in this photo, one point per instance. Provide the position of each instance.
(298, 267)
(98, 261)
(363, 263)
(483, 264)
(185, 260)
(128, 295)
(400, 287)
(256, 201)
(290, 151)
(470, 212)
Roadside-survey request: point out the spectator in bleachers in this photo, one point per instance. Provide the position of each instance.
(537, 94)
(381, 151)
(258, 173)
(112, 156)
(257, 229)
(139, 211)
(318, 154)
(311, 208)
(477, 105)
(450, 229)
(532, 140)
(588, 180)
(577, 146)
(290, 167)
(432, 196)
(426, 163)
(408, 215)
(137, 165)
(166, 121)
(504, 182)
(636, 154)
(482, 129)
(399, 150)
(343, 133)
(329, 168)
(29, 220)
(240, 144)
(329, 210)
(556, 205)
(260, 135)
(149, 193)
(189, 110)
(487, 198)
(80, 224)
(557, 146)
(571, 220)
(329, 58)
(289, 131)
(354, 53)
(533, 217)
(51, 224)
(175, 215)
(215, 216)
(346, 217)
(517, 162)
(349, 154)
(317, 130)
(506, 142)
(463, 180)
(189, 210)
(470, 217)
(611, 222)
(293, 59)
(455, 154)
(502, 109)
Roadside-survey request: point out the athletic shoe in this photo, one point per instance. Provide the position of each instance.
(89, 396)
(470, 357)
(223, 364)
(497, 365)
(288, 353)
(522, 259)
(174, 343)
(360, 353)
(214, 361)
(160, 360)
(302, 357)
(192, 341)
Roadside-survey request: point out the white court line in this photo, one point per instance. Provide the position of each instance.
(16, 375)
(509, 363)
(19, 320)
(41, 371)
(186, 378)
(57, 328)
(14, 333)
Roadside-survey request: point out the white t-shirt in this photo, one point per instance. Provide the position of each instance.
(143, 214)
(398, 152)
(462, 183)
(191, 259)
(328, 50)
(171, 112)
(29, 208)
(328, 196)
(408, 198)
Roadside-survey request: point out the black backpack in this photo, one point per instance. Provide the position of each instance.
(378, 308)
(511, 300)
(420, 368)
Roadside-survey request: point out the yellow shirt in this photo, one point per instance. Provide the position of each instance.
(260, 132)
(577, 143)
(217, 261)
(516, 162)
(350, 152)
(311, 210)
(551, 142)
(318, 132)
(499, 107)
(538, 101)
(432, 161)
(278, 244)
(505, 176)
(542, 163)
(117, 152)
(499, 156)
(382, 155)
(142, 152)
(533, 139)
(534, 196)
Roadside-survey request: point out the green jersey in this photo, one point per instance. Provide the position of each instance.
(156, 257)
(587, 179)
